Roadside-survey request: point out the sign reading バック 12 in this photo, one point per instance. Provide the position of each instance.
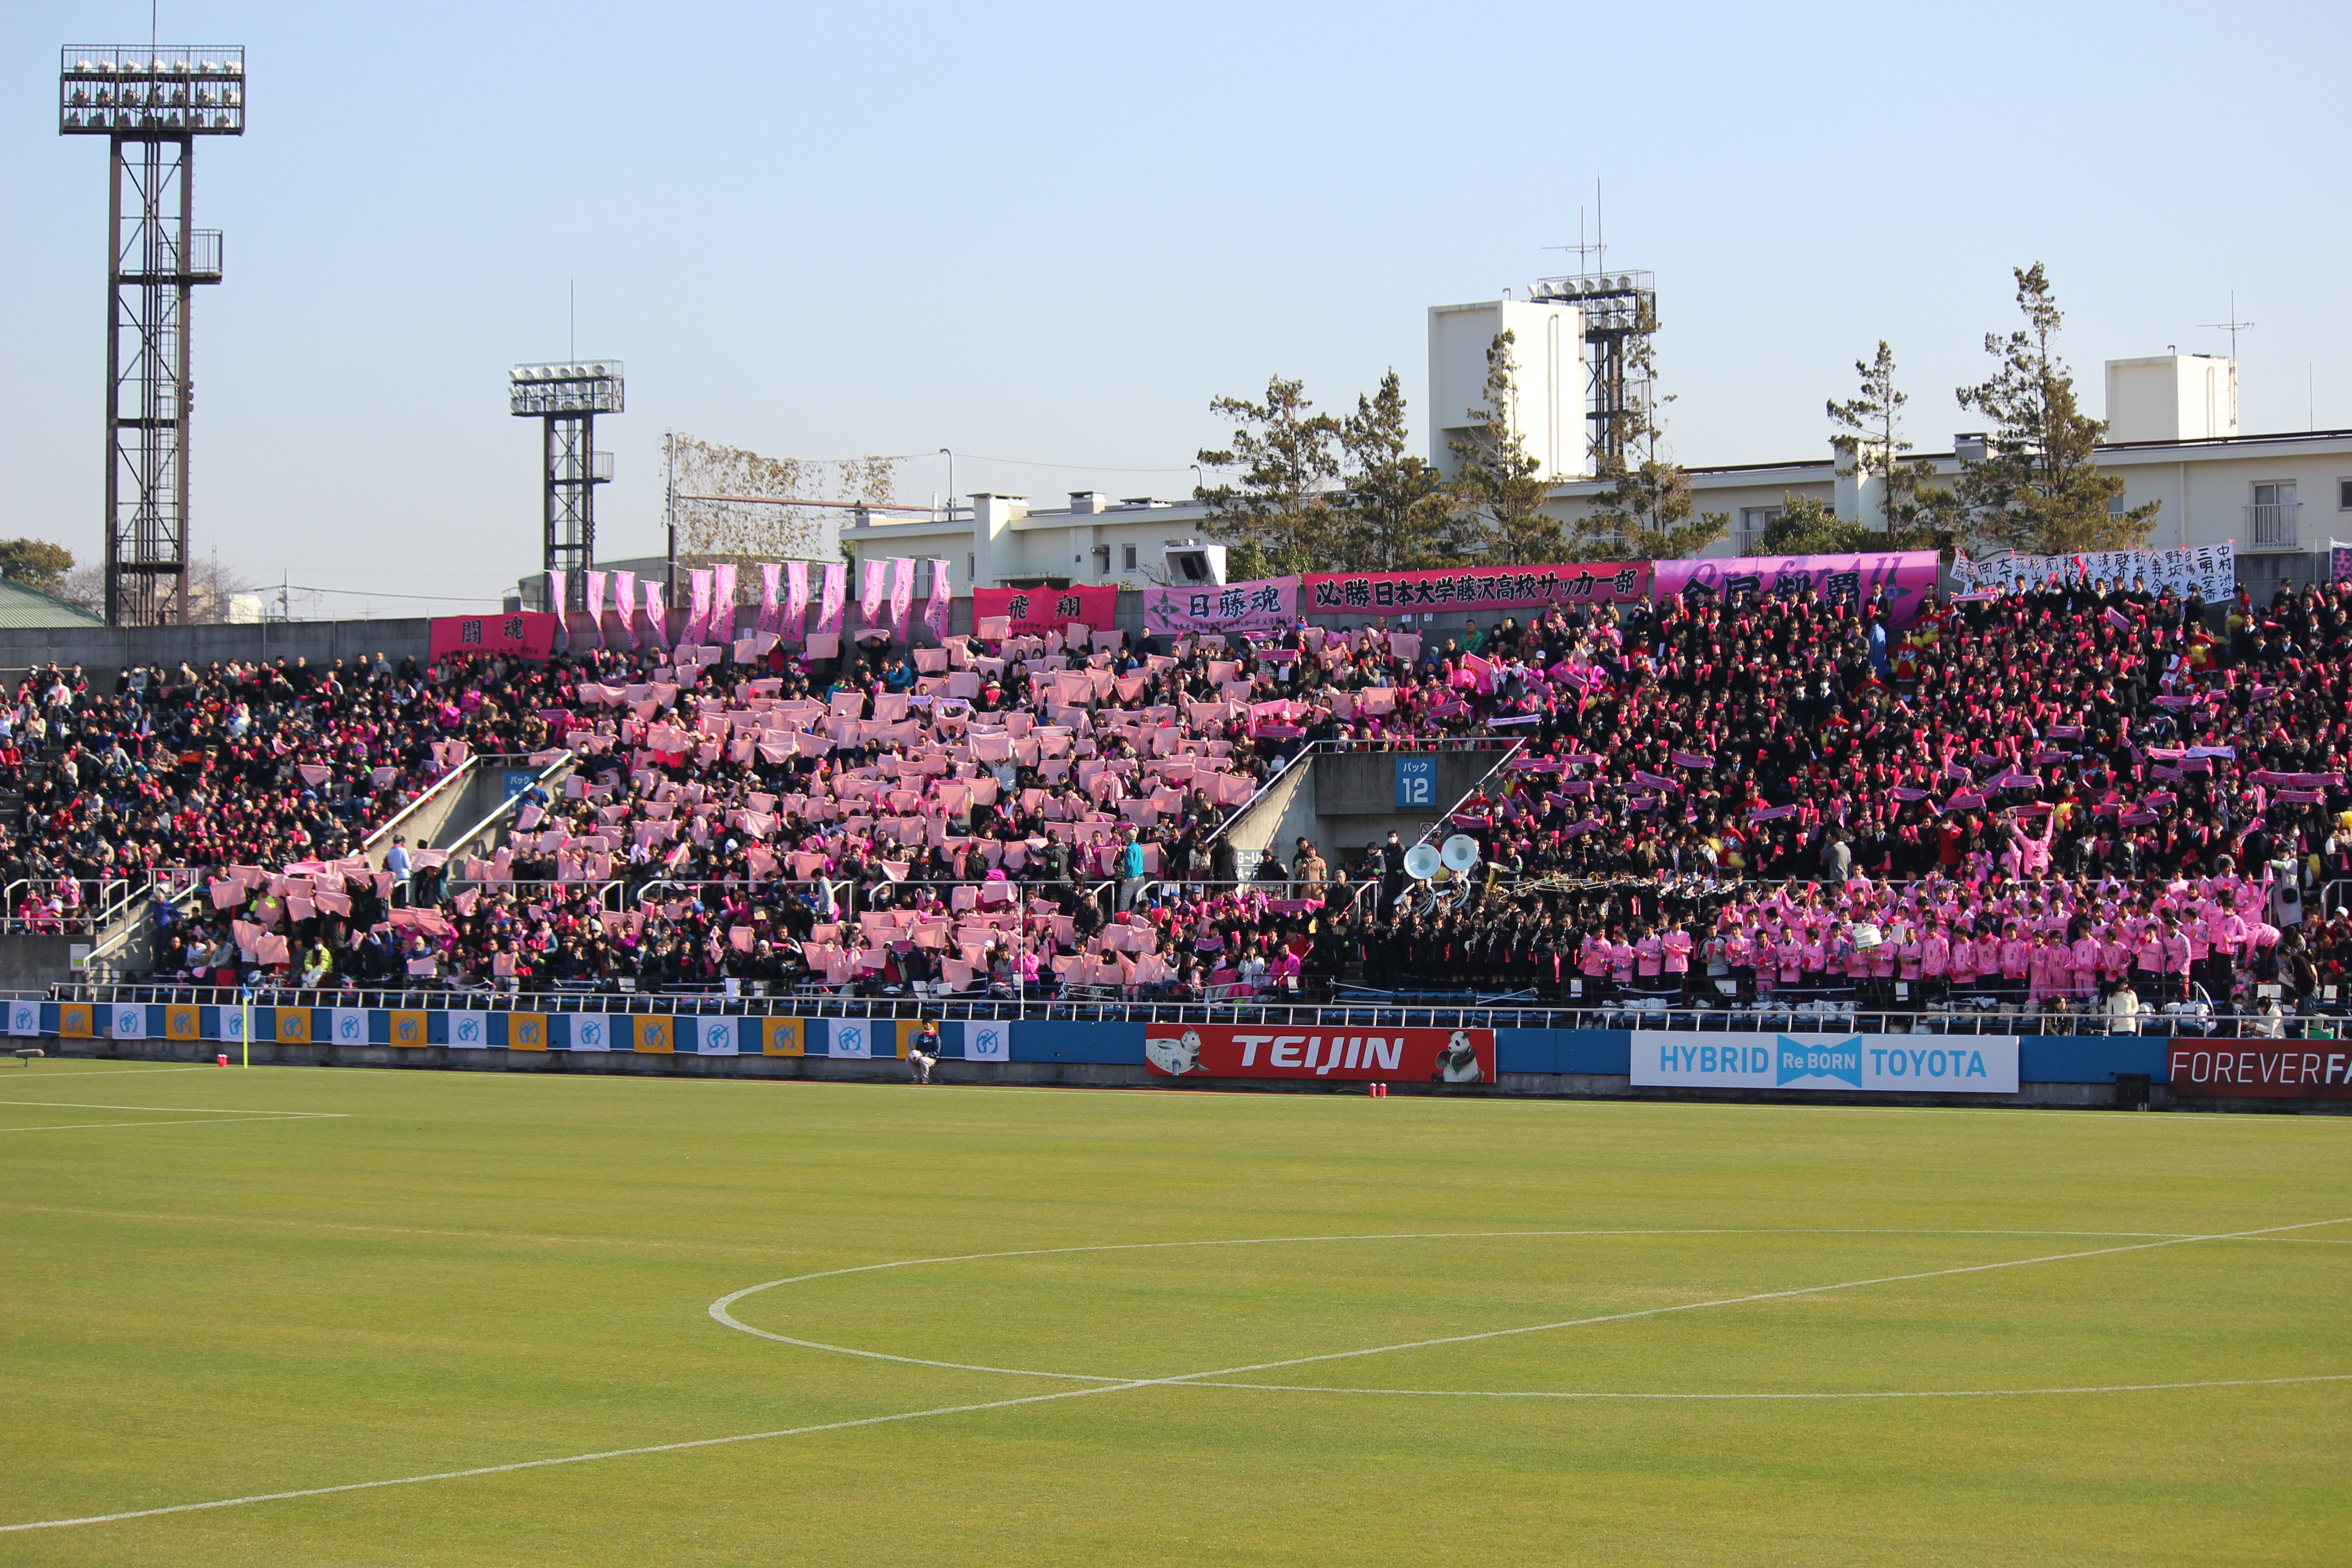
(1882, 1064)
(1391, 1055)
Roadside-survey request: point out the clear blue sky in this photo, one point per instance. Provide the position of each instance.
(1053, 232)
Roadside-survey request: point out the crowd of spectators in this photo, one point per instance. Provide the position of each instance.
(2042, 794)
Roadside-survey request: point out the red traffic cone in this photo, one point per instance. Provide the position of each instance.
(224, 1062)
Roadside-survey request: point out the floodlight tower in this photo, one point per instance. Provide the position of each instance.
(151, 103)
(568, 397)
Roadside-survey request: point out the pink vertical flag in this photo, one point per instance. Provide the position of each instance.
(722, 604)
(935, 610)
(555, 602)
(797, 600)
(768, 613)
(595, 584)
(698, 619)
(902, 593)
(625, 603)
(871, 592)
(836, 591)
(657, 618)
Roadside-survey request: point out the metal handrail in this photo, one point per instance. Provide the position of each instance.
(813, 998)
(382, 835)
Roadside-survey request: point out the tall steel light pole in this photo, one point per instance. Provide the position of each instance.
(567, 398)
(150, 102)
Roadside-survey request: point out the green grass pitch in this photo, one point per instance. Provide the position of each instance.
(220, 1284)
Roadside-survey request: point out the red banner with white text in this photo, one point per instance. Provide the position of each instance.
(2260, 1070)
(1359, 1053)
(1497, 588)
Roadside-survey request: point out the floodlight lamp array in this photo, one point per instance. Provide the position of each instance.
(143, 92)
(571, 386)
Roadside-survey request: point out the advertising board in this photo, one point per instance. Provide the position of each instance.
(1887, 1064)
(1264, 1050)
(2259, 1070)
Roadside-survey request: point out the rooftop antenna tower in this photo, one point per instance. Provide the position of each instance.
(1620, 309)
(150, 102)
(566, 399)
(2232, 326)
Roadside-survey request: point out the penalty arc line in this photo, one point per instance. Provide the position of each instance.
(1180, 1379)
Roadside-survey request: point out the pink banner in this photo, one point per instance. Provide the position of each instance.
(722, 604)
(1264, 604)
(656, 616)
(870, 594)
(525, 634)
(830, 598)
(697, 617)
(555, 607)
(796, 599)
(902, 592)
(769, 612)
(596, 605)
(1908, 577)
(625, 603)
(934, 609)
(1511, 588)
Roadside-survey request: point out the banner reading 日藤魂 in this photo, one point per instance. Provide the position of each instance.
(1361, 1054)
(1033, 612)
(1513, 588)
(525, 634)
(1263, 604)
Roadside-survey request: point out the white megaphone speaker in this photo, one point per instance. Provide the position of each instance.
(1460, 852)
(1421, 862)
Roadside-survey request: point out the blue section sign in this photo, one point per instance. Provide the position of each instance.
(1416, 782)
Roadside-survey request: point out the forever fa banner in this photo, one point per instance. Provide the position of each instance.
(1033, 612)
(1262, 604)
(1885, 1064)
(1521, 588)
(1400, 1055)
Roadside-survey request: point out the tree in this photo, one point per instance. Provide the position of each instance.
(1398, 505)
(2039, 488)
(1807, 526)
(1646, 513)
(1500, 487)
(35, 563)
(1872, 446)
(1286, 514)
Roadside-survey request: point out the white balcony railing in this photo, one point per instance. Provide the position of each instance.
(2272, 526)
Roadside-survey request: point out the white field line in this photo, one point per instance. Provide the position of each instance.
(719, 1308)
(215, 1121)
(186, 1109)
(37, 1074)
(1199, 1378)
(499, 1235)
(1882, 1394)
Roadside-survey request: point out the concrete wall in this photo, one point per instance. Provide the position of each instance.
(1282, 811)
(32, 962)
(112, 648)
(1355, 794)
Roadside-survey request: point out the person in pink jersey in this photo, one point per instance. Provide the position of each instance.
(1649, 957)
(1677, 943)
(1592, 961)
(2083, 971)
(1935, 959)
(1621, 962)
(2016, 960)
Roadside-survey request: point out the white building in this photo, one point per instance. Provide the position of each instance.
(2173, 437)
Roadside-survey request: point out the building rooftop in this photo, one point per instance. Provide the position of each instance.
(22, 606)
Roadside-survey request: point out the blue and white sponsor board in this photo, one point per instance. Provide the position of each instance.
(348, 1025)
(470, 1028)
(592, 1032)
(1887, 1064)
(127, 1021)
(713, 1037)
(24, 1017)
(855, 1037)
(988, 1042)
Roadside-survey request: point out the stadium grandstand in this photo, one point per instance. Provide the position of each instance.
(2055, 804)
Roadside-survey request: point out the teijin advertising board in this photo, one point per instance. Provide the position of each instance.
(1398, 1055)
(1888, 1064)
